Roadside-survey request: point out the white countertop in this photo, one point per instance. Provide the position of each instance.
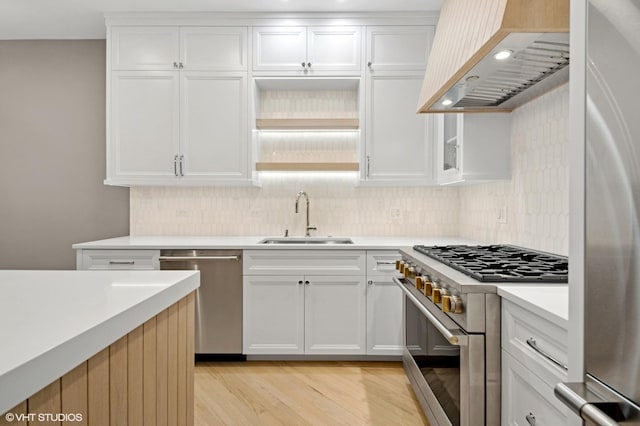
(550, 301)
(51, 321)
(252, 242)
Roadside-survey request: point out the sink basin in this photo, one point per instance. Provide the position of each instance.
(306, 240)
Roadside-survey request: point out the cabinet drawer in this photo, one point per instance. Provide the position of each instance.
(120, 259)
(304, 262)
(382, 262)
(525, 394)
(520, 325)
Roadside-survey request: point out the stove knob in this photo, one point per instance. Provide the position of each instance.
(403, 265)
(398, 262)
(419, 282)
(428, 288)
(437, 295)
(456, 305)
(446, 303)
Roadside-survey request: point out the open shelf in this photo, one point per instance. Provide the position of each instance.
(307, 166)
(307, 123)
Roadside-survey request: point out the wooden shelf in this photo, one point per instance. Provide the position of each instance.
(305, 167)
(307, 123)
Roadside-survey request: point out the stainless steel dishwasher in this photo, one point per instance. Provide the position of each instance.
(218, 313)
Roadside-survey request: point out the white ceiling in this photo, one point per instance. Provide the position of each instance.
(51, 19)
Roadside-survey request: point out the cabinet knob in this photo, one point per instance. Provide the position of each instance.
(175, 65)
(369, 64)
(308, 64)
(180, 65)
(306, 282)
(531, 419)
(300, 282)
(370, 282)
(303, 64)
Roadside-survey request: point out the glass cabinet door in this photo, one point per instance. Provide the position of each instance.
(450, 148)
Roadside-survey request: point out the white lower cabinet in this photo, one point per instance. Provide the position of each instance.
(384, 304)
(533, 352)
(304, 302)
(113, 260)
(285, 314)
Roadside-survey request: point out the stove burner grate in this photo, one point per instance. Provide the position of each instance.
(501, 263)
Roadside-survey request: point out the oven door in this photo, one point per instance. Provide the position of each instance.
(444, 363)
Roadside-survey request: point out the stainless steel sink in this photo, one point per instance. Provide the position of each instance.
(306, 240)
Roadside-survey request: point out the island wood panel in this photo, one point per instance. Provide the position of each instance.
(120, 384)
(469, 29)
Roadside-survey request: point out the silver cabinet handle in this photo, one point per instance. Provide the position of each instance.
(385, 262)
(122, 262)
(181, 170)
(368, 166)
(455, 339)
(181, 258)
(533, 345)
(175, 164)
(531, 419)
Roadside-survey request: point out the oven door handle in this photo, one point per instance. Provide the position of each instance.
(457, 339)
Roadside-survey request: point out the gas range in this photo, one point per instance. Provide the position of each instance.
(501, 263)
(452, 312)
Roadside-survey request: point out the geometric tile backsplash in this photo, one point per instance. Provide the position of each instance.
(536, 198)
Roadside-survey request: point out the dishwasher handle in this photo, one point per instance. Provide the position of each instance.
(183, 258)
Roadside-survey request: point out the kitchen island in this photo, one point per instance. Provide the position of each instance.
(97, 345)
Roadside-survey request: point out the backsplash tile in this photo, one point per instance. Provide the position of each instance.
(338, 207)
(536, 197)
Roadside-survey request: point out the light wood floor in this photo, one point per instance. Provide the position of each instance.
(304, 393)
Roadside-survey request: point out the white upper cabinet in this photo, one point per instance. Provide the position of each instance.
(168, 48)
(398, 48)
(144, 125)
(307, 50)
(213, 48)
(398, 142)
(473, 147)
(144, 48)
(213, 125)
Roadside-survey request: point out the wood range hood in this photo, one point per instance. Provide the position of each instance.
(463, 74)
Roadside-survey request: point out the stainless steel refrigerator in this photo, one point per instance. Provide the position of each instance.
(611, 391)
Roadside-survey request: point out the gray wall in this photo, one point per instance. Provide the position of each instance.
(52, 153)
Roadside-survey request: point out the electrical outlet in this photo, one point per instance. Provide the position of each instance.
(396, 213)
(502, 214)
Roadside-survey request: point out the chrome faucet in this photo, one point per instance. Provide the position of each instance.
(308, 228)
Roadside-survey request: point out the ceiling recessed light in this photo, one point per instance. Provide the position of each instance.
(447, 102)
(503, 54)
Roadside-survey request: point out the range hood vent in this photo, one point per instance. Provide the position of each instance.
(463, 74)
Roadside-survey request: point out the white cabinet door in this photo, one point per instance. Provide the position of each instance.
(449, 151)
(398, 141)
(333, 48)
(213, 125)
(273, 315)
(279, 48)
(213, 48)
(335, 315)
(527, 399)
(384, 317)
(400, 48)
(144, 125)
(144, 48)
